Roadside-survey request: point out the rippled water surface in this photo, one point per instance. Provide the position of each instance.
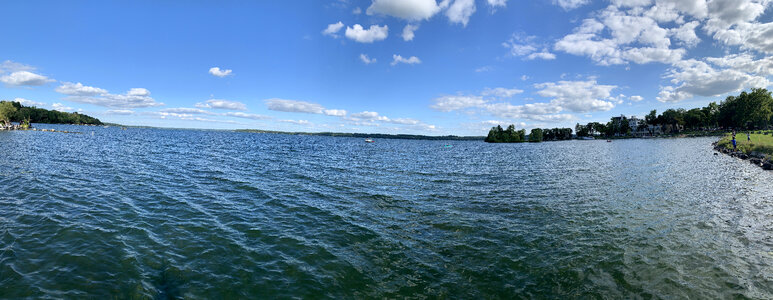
(208, 214)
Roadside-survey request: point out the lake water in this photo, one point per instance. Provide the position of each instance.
(211, 214)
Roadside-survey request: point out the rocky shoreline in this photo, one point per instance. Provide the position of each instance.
(755, 158)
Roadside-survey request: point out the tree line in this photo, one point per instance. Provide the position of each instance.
(11, 111)
(510, 135)
(748, 110)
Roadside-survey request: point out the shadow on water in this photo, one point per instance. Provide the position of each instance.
(168, 283)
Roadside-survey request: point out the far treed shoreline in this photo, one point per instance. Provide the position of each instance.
(747, 111)
(11, 111)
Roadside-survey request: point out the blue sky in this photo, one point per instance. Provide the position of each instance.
(380, 66)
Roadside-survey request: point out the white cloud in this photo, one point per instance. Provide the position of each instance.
(745, 62)
(544, 54)
(186, 110)
(370, 35)
(11, 66)
(296, 122)
(21, 78)
(357, 11)
(497, 3)
(27, 102)
(222, 104)
(243, 115)
(134, 98)
(413, 10)
(451, 103)
(367, 60)
(697, 78)
(408, 31)
(78, 89)
(302, 107)
(368, 116)
(686, 33)
(120, 112)
(399, 59)
(460, 11)
(216, 71)
(570, 4)
(636, 98)
(294, 106)
(62, 107)
(334, 112)
(577, 96)
(526, 47)
(333, 29)
(501, 92)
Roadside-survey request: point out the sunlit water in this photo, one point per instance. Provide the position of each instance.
(208, 214)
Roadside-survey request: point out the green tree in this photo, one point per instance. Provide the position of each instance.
(651, 118)
(7, 112)
(535, 135)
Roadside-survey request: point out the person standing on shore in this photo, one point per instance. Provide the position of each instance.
(734, 145)
(748, 136)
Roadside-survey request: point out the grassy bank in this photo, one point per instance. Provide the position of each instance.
(760, 142)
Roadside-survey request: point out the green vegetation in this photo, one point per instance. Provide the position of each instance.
(761, 141)
(11, 111)
(510, 135)
(535, 136)
(372, 135)
(7, 112)
(498, 135)
(747, 111)
(557, 134)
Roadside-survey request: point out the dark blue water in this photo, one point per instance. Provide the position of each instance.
(154, 213)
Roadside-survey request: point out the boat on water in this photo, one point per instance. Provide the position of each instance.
(587, 138)
(369, 140)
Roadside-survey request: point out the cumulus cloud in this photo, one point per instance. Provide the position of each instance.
(460, 11)
(302, 107)
(370, 35)
(452, 103)
(497, 3)
(566, 96)
(27, 102)
(296, 122)
(222, 104)
(11, 66)
(396, 59)
(22, 78)
(577, 96)
(186, 110)
(618, 36)
(367, 60)
(366, 117)
(120, 112)
(333, 29)
(78, 89)
(525, 46)
(408, 32)
(698, 78)
(134, 98)
(413, 10)
(636, 98)
(570, 4)
(216, 71)
(501, 92)
(62, 107)
(244, 115)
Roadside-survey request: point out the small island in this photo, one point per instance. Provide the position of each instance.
(11, 111)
